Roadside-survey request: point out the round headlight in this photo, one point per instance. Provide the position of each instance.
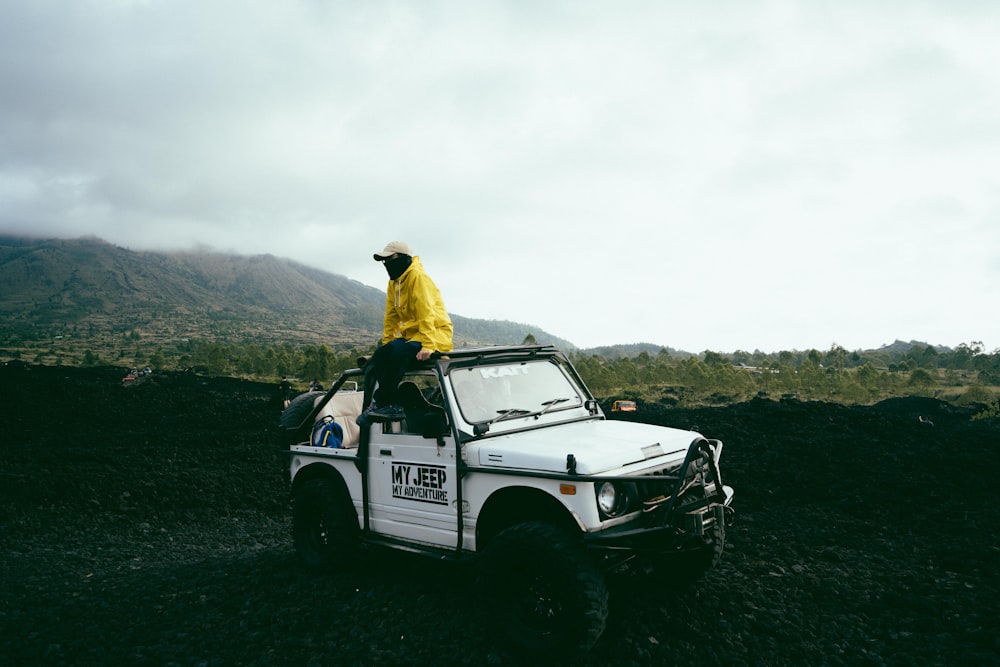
(607, 498)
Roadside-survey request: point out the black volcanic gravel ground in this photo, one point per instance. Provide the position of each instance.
(150, 526)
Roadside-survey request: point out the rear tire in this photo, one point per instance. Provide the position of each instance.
(324, 524)
(541, 591)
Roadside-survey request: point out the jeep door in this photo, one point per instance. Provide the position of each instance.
(412, 486)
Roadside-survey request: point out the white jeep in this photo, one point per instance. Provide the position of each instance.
(505, 456)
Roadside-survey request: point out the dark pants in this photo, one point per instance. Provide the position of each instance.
(391, 361)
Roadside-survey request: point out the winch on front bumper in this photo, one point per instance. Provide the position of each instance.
(680, 506)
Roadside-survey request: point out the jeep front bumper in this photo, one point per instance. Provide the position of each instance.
(681, 530)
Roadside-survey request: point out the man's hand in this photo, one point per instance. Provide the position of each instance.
(423, 355)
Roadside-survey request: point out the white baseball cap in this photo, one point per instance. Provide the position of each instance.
(391, 249)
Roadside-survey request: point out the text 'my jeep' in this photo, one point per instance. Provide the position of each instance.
(504, 456)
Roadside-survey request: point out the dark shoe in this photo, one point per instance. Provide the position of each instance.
(365, 418)
(387, 413)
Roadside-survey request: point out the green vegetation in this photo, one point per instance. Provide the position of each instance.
(992, 411)
(963, 376)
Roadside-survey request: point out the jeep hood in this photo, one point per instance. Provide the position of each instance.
(598, 446)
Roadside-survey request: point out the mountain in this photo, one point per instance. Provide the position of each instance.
(100, 295)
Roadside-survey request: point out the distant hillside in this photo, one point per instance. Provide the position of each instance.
(901, 347)
(633, 350)
(96, 293)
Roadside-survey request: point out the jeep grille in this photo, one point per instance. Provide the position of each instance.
(687, 486)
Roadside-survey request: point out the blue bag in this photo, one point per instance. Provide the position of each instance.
(327, 433)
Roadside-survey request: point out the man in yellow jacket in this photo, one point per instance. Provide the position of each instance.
(416, 325)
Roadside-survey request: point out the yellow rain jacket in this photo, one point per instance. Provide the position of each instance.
(414, 311)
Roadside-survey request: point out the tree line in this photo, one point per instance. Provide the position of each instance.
(965, 375)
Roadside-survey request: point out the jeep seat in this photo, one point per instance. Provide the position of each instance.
(415, 406)
(345, 407)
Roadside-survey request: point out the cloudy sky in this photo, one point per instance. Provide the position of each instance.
(727, 175)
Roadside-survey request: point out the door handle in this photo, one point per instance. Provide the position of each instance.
(385, 452)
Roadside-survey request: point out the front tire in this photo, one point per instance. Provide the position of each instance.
(542, 592)
(324, 524)
(692, 565)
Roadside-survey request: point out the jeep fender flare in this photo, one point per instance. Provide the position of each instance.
(519, 504)
(319, 470)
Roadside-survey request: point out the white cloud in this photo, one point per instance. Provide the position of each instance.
(746, 175)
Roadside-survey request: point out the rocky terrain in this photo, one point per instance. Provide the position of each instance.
(149, 525)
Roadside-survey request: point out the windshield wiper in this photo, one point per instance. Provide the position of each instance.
(550, 404)
(508, 413)
(479, 428)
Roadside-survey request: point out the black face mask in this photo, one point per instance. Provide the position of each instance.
(396, 267)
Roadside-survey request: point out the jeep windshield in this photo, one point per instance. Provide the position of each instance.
(494, 393)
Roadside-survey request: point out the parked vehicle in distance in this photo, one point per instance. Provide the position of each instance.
(623, 406)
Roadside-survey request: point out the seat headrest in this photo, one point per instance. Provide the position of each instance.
(408, 393)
